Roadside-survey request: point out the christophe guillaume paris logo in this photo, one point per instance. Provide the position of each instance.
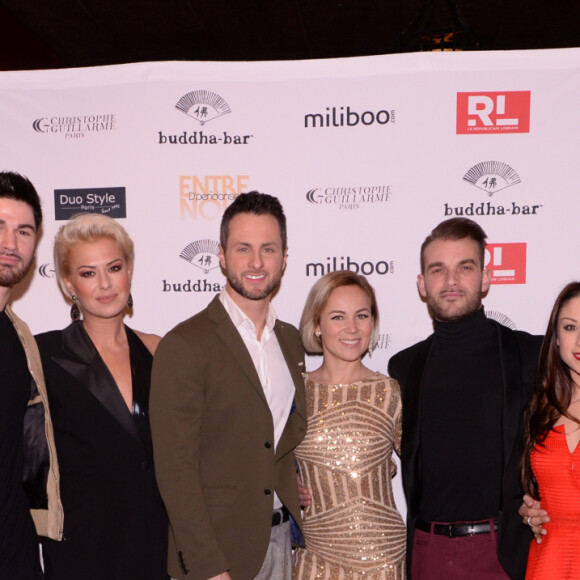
(75, 127)
(350, 197)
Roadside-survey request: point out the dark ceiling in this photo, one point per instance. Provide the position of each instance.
(70, 33)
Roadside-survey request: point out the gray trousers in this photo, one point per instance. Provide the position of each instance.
(278, 561)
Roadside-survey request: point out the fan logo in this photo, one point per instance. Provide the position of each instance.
(492, 176)
(203, 106)
(501, 318)
(204, 255)
(505, 112)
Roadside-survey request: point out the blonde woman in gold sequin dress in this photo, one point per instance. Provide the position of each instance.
(352, 529)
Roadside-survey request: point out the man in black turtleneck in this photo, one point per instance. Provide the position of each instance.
(464, 392)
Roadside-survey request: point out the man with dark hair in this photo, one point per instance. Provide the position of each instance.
(464, 392)
(256, 204)
(456, 229)
(29, 475)
(228, 408)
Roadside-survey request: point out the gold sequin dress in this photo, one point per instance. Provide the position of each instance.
(353, 529)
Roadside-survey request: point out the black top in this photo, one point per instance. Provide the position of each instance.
(18, 543)
(518, 353)
(461, 430)
(115, 526)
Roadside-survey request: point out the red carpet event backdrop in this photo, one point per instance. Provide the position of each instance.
(367, 155)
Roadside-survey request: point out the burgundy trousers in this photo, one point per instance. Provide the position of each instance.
(437, 557)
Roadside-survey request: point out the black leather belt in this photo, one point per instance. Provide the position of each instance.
(457, 530)
(280, 516)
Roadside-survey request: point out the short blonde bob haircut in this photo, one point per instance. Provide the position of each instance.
(87, 227)
(317, 299)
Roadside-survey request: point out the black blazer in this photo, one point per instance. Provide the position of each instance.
(115, 524)
(519, 352)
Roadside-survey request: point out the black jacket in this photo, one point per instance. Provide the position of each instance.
(519, 352)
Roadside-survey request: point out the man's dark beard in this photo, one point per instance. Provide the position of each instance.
(238, 286)
(438, 313)
(9, 277)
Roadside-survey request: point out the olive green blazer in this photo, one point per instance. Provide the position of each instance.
(213, 439)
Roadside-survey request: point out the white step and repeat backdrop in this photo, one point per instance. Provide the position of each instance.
(366, 154)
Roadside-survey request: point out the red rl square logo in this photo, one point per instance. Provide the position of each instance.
(506, 263)
(507, 112)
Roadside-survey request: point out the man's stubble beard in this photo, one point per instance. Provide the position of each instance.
(12, 275)
(238, 286)
(438, 313)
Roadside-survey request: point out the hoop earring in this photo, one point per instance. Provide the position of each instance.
(75, 311)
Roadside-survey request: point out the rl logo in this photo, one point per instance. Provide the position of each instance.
(506, 263)
(507, 112)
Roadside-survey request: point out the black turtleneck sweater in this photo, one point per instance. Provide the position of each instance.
(461, 433)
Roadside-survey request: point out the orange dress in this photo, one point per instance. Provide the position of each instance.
(558, 474)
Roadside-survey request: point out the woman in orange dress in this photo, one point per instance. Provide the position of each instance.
(551, 464)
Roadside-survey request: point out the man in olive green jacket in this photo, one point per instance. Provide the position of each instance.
(227, 409)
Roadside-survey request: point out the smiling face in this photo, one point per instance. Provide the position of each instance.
(569, 337)
(100, 277)
(454, 279)
(253, 258)
(17, 241)
(346, 324)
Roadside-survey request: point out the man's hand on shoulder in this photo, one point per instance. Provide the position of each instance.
(534, 516)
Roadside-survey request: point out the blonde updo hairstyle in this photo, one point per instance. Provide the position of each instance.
(87, 227)
(317, 299)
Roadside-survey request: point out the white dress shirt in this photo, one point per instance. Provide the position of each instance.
(270, 365)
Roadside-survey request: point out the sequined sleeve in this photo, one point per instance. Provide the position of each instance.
(398, 419)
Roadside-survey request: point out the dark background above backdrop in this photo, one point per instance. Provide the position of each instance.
(71, 33)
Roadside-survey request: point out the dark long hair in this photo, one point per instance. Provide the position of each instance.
(553, 391)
